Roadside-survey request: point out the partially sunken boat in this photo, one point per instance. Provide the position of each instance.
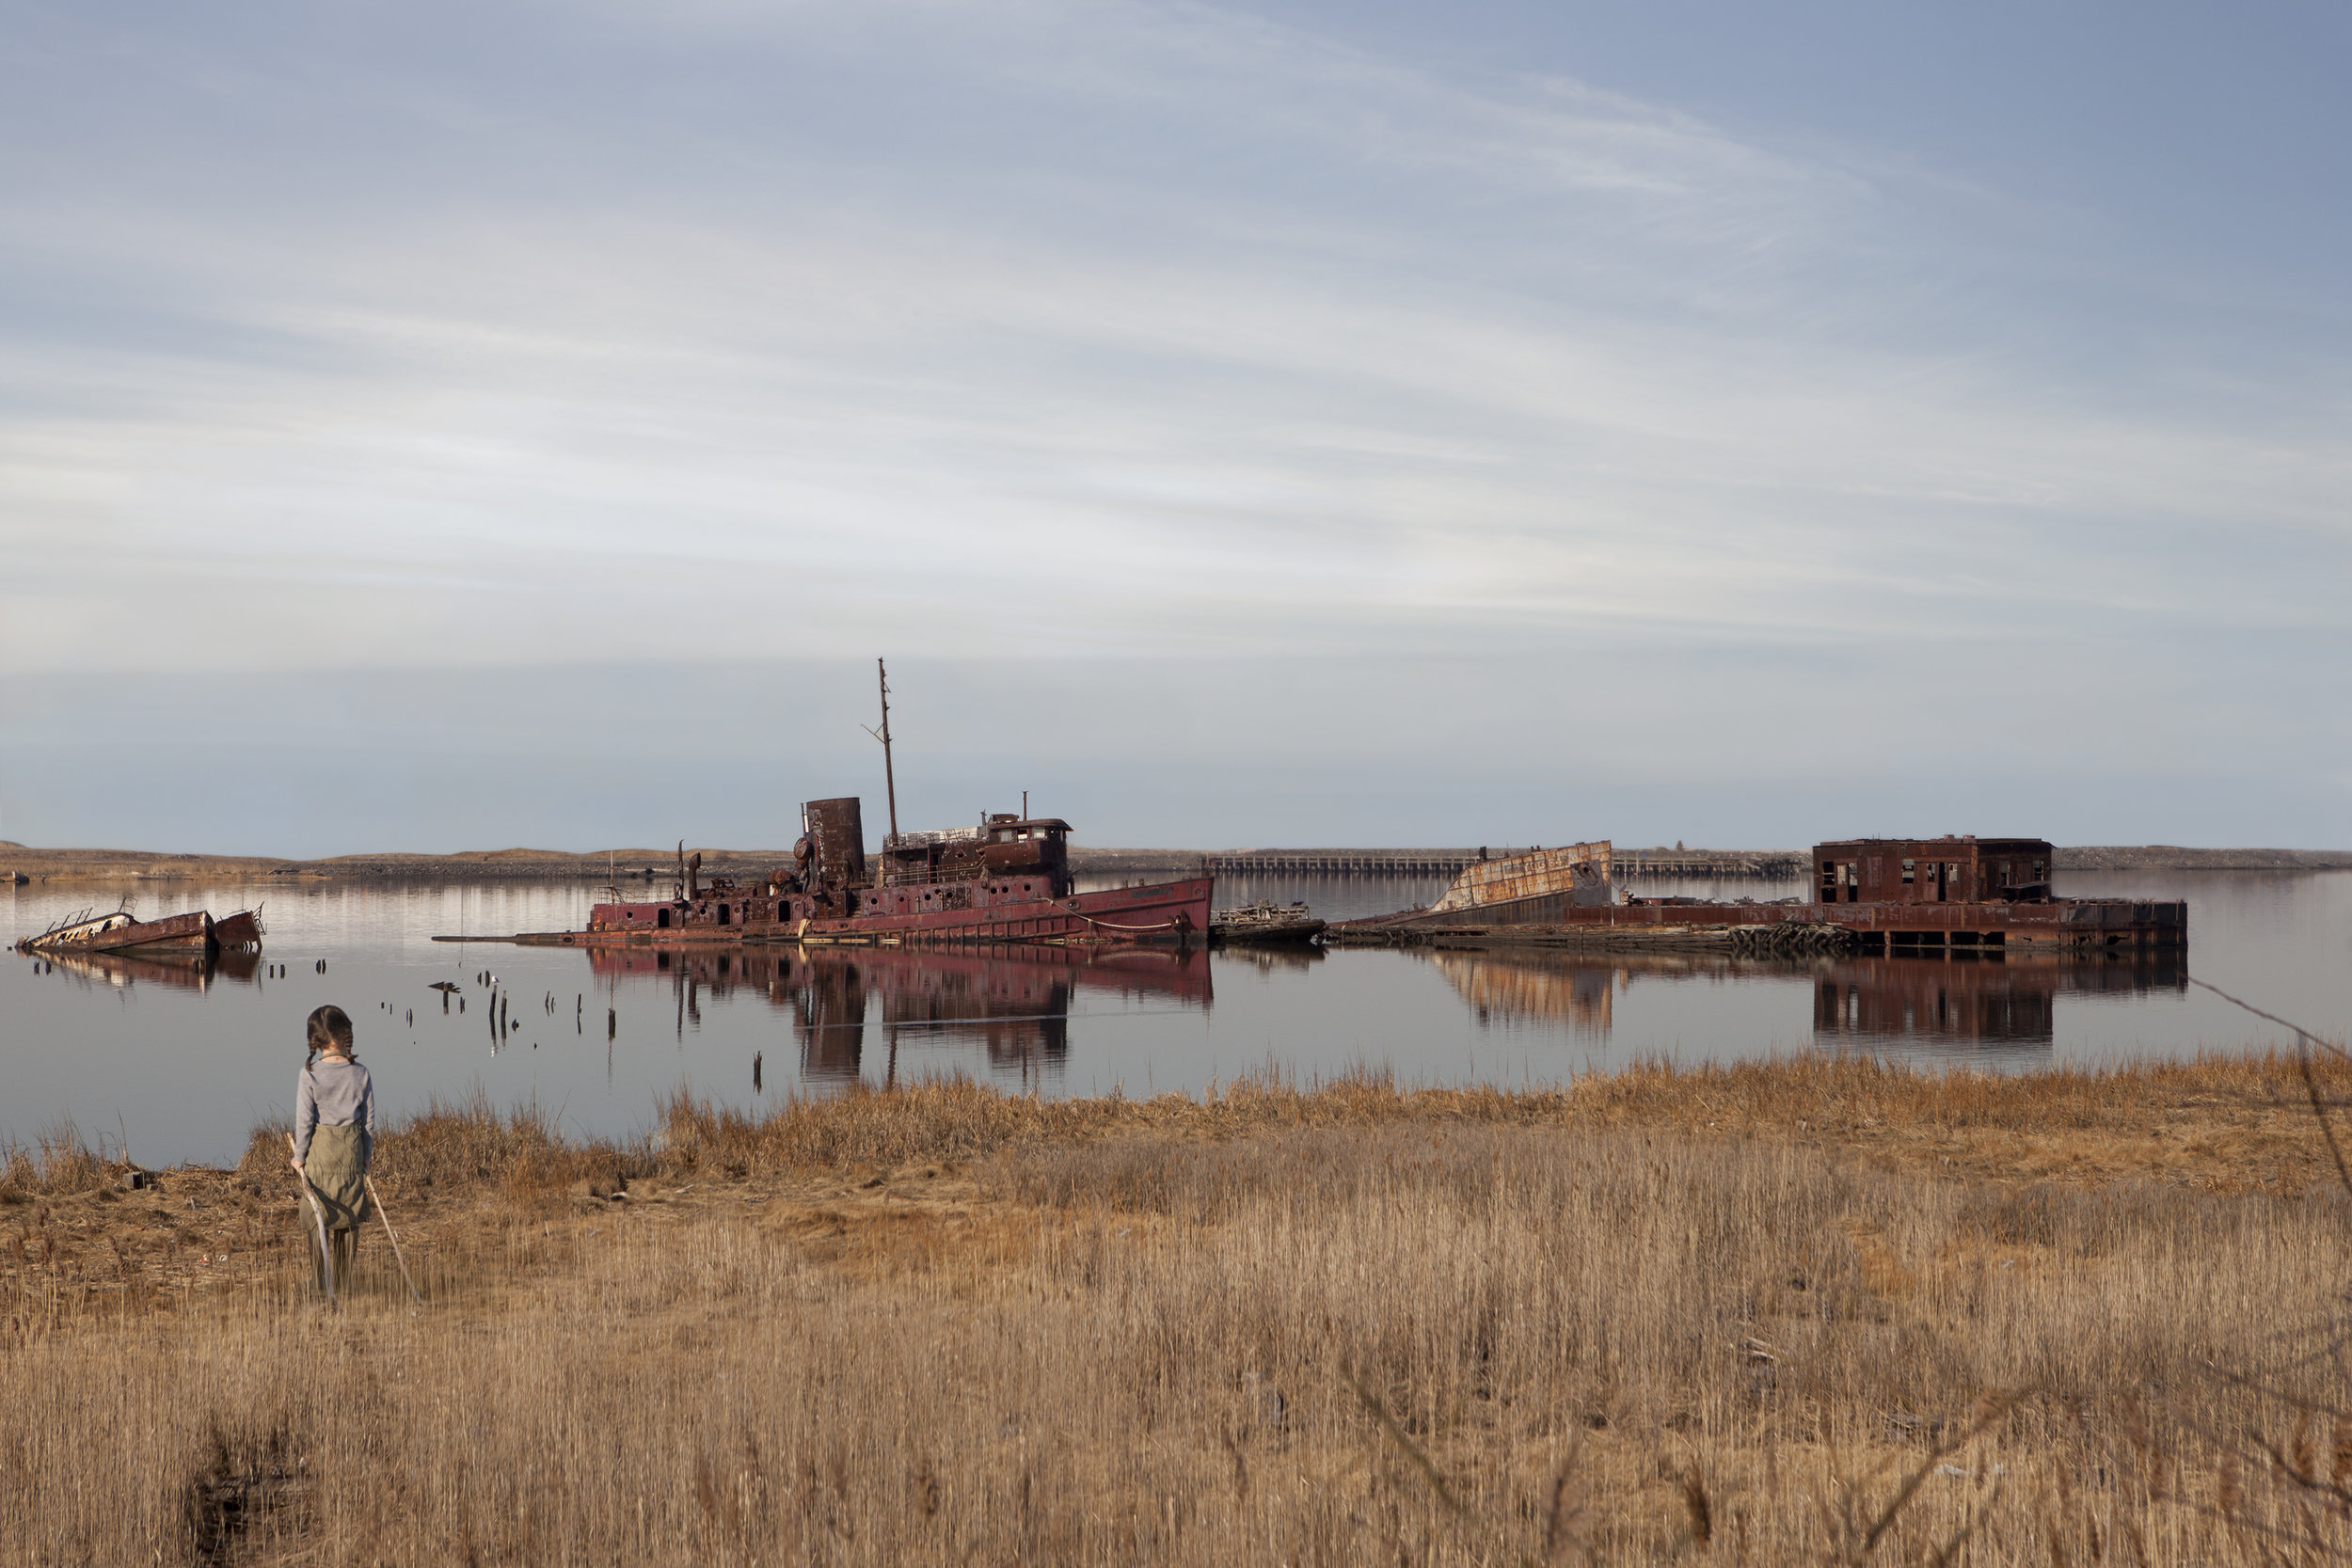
(1541, 885)
(196, 933)
(1950, 897)
(1264, 923)
(1007, 879)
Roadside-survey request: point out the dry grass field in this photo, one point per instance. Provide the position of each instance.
(1816, 1311)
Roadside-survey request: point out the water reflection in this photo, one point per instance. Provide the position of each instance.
(1520, 988)
(1014, 1002)
(1856, 1001)
(190, 1069)
(1286, 958)
(2001, 1002)
(182, 972)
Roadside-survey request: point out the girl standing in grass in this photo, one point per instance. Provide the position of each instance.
(335, 1130)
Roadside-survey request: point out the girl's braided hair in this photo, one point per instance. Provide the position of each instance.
(328, 1025)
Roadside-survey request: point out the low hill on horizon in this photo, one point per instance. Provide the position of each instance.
(77, 865)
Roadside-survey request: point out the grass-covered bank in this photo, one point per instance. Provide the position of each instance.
(1721, 1312)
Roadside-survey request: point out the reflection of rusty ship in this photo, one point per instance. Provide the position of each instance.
(1542, 988)
(182, 969)
(1857, 999)
(1013, 1000)
(1903, 998)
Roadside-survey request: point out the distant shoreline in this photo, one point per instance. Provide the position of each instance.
(656, 865)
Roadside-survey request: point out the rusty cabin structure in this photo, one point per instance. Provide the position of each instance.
(1947, 870)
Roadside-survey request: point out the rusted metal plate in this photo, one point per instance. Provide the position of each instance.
(839, 828)
(241, 930)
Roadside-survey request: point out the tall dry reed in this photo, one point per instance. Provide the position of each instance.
(1334, 1328)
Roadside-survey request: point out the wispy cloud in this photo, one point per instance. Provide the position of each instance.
(493, 335)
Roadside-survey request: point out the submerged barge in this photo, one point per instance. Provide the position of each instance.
(1954, 895)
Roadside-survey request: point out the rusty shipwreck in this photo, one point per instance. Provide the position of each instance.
(1005, 880)
(1957, 895)
(193, 934)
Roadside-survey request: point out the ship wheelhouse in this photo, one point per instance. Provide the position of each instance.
(1003, 852)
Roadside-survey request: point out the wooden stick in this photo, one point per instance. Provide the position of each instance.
(413, 1293)
(327, 1258)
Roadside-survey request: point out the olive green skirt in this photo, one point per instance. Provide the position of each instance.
(338, 1172)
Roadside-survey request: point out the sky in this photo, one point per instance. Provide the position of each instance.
(434, 427)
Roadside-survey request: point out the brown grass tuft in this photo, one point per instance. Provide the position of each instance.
(60, 1162)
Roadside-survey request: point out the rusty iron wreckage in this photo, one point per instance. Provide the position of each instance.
(1007, 879)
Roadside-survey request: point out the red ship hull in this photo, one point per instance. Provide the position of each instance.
(1014, 910)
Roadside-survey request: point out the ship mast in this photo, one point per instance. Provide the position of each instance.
(890, 782)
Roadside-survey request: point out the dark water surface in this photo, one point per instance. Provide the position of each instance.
(185, 1064)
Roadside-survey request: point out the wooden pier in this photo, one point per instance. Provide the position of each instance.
(1340, 863)
(1769, 864)
(1783, 864)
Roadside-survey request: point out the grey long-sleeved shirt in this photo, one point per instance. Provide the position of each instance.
(337, 1093)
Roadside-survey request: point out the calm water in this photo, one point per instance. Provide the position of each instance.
(186, 1065)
